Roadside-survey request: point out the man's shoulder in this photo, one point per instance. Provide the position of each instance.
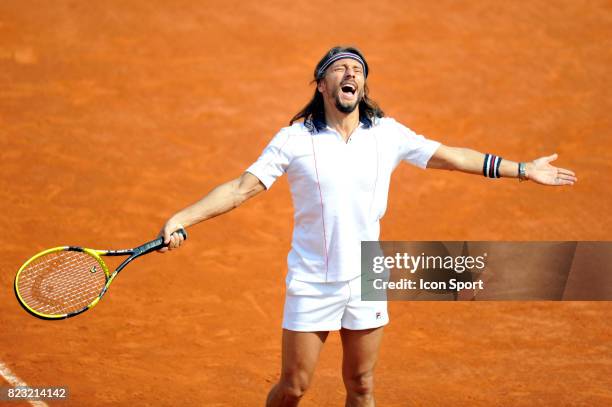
(290, 136)
(384, 122)
(294, 131)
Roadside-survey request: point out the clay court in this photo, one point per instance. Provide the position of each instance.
(113, 115)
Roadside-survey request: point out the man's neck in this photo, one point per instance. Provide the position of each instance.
(343, 123)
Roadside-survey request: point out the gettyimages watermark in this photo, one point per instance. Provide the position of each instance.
(470, 270)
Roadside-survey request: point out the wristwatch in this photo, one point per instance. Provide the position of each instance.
(522, 174)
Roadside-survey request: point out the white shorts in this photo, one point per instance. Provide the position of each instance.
(311, 307)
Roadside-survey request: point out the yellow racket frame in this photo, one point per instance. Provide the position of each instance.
(93, 253)
(132, 254)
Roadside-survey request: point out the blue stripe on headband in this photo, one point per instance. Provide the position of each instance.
(338, 56)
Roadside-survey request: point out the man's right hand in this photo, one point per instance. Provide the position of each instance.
(171, 236)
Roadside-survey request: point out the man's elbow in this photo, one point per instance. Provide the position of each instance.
(244, 191)
(241, 196)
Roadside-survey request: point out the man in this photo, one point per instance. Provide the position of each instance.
(339, 161)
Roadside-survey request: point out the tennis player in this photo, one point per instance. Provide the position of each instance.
(339, 153)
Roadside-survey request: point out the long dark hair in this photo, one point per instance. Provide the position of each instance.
(314, 112)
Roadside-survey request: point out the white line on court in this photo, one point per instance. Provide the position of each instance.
(14, 381)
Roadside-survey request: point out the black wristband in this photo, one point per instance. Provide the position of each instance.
(497, 167)
(490, 167)
(484, 165)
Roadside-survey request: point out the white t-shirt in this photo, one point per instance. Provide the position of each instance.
(339, 190)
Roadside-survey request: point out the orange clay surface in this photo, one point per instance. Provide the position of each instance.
(114, 114)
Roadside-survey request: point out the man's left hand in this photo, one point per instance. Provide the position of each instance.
(542, 172)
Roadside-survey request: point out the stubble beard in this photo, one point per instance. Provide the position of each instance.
(350, 107)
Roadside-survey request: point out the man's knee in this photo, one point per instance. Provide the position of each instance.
(293, 384)
(360, 384)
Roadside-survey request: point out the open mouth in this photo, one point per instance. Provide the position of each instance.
(348, 88)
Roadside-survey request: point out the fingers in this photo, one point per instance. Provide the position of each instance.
(565, 172)
(172, 239)
(551, 175)
(565, 179)
(561, 182)
(175, 240)
(561, 179)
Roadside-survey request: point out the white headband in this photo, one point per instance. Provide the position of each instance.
(342, 55)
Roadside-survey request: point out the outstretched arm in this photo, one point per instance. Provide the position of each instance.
(221, 199)
(465, 160)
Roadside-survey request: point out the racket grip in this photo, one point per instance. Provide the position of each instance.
(156, 244)
(181, 232)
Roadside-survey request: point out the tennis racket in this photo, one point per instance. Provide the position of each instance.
(68, 280)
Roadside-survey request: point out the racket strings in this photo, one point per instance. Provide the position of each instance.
(61, 282)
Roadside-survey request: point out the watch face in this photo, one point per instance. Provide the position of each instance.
(522, 175)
